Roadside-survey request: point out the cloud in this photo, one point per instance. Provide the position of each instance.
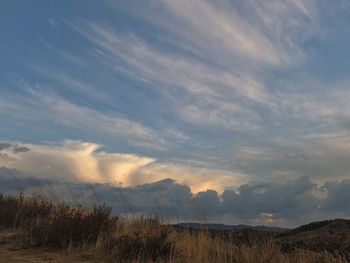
(288, 204)
(210, 94)
(41, 106)
(13, 148)
(245, 34)
(280, 199)
(291, 203)
(4, 146)
(230, 33)
(66, 82)
(76, 161)
(321, 156)
(338, 196)
(194, 90)
(223, 30)
(326, 109)
(199, 179)
(53, 22)
(213, 74)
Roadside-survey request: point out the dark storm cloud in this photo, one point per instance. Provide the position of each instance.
(12, 147)
(4, 146)
(281, 199)
(298, 200)
(338, 196)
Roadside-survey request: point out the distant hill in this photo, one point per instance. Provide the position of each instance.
(232, 227)
(332, 236)
(329, 235)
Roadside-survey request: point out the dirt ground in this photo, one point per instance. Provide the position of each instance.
(12, 251)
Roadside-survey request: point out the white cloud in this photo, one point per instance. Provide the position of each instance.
(323, 106)
(185, 82)
(215, 74)
(320, 156)
(218, 29)
(233, 34)
(147, 63)
(85, 162)
(211, 69)
(218, 114)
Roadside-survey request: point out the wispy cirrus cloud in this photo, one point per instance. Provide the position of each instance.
(213, 69)
(43, 106)
(223, 31)
(321, 156)
(207, 92)
(236, 33)
(199, 93)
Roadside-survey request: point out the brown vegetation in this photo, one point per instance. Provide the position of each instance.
(44, 224)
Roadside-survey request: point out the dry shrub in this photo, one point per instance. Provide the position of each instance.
(47, 224)
(43, 223)
(66, 227)
(204, 247)
(19, 211)
(142, 240)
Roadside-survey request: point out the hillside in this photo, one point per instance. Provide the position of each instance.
(329, 235)
(34, 229)
(261, 228)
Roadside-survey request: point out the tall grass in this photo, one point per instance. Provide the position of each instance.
(43, 223)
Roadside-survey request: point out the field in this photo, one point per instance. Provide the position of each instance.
(34, 229)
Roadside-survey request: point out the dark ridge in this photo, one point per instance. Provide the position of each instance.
(262, 228)
(330, 235)
(315, 225)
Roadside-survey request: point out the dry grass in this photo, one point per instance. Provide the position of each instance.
(42, 223)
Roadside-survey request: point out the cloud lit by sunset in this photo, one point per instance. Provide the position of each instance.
(227, 103)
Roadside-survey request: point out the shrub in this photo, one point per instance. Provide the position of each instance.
(43, 223)
(46, 224)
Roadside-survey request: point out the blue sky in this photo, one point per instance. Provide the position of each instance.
(211, 94)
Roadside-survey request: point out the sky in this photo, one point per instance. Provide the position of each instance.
(239, 104)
